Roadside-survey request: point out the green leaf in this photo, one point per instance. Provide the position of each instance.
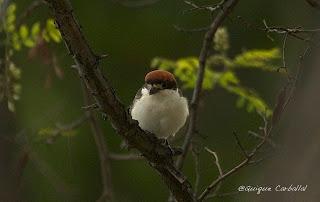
(16, 43)
(45, 36)
(240, 102)
(24, 32)
(10, 18)
(261, 59)
(11, 8)
(27, 40)
(53, 32)
(29, 43)
(35, 30)
(253, 100)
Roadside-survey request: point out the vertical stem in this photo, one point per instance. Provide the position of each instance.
(107, 192)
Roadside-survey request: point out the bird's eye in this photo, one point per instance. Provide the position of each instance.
(164, 85)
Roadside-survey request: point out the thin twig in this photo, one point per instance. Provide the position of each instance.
(294, 32)
(266, 133)
(261, 137)
(239, 144)
(105, 167)
(216, 159)
(125, 157)
(284, 51)
(62, 128)
(207, 8)
(182, 29)
(196, 157)
(226, 8)
(29, 11)
(217, 162)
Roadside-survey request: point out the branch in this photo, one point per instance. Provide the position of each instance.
(294, 32)
(266, 132)
(196, 156)
(226, 8)
(61, 128)
(207, 8)
(29, 11)
(105, 169)
(124, 157)
(158, 154)
(218, 166)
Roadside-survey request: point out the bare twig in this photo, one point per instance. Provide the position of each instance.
(62, 128)
(226, 8)
(182, 29)
(266, 130)
(294, 32)
(207, 8)
(29, 11)
(314, 3)
(196, 157)
(158, 154)
(125, 157)
(105, 167)
(240, 145)
(284, 65)
(261, 137)
(216, 159)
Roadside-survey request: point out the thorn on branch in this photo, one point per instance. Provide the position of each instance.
(93, 106)
(102, 57)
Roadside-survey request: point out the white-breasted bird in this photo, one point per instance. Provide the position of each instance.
(159, 105)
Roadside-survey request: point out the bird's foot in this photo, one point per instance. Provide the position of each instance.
(175, 151)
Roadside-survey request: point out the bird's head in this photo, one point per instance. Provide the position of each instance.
(160, 80)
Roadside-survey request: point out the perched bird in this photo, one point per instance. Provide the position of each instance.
(159, 106)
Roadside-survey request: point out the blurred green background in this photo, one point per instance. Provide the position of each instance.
(68, 169)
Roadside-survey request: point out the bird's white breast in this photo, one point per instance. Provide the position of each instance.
(162, 113)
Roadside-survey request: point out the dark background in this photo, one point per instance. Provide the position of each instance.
(68, 170)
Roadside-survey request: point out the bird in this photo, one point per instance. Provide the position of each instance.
(159, 106)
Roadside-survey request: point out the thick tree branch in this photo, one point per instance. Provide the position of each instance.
(158, 154)
(226, 8)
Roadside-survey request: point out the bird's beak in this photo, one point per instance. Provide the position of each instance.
(153, 90)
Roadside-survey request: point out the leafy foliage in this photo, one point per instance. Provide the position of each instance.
(220, 71)
(14, 39)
